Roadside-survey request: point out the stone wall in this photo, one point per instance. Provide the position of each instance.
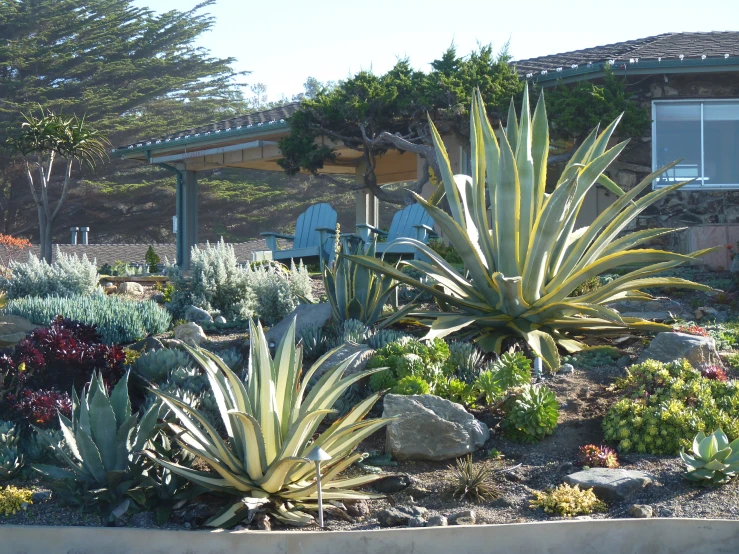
(679, 209)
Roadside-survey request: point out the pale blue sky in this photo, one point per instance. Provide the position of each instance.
(283, 42)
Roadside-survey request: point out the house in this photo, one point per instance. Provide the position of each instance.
(688, 81)
(690, 84)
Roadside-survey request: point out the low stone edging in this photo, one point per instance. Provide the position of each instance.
(653, 536)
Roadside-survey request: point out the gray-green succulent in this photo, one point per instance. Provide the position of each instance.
(714, 459)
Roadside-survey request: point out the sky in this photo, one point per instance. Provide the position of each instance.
(284, 42)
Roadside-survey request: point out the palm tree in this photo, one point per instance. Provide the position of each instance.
(41, 142)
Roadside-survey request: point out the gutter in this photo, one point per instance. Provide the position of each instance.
(548, 78)
(209, 152)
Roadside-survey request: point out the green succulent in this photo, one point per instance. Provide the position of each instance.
(351, 330)
(532, 414)
(457, 391)
(383, 337)
(411, 384)
(104, 438)
(512, 369)
(524, 264)
(714, 459)
(487, 384)
(156, 365)
(232, 358)
(314, 341)
(465, 361)
(593, 357)
(9, 433)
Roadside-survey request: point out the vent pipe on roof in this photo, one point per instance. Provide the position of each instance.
(85, 234)
(73, 232)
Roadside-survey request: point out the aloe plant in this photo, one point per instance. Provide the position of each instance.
(714, 460)
(522, 270)
(100, 445)
(270, 420)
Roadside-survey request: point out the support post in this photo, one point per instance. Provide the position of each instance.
(187, 216)
(368, 206)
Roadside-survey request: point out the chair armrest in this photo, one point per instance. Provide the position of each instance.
(427, 227)
(329, 230)
(424, 232)
(271, 239)
(372, 229)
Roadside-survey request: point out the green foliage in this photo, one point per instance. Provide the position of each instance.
(409, 357)
(733, 360)
(714, 459)
(520, 277)
(568, 501)
(665, 405)
(446, 251)
(13, 499)
(512, 369)
(582, 106)
(593, 357)
(314, 341)
(11, 459)
(411, 384)
(726, 335)
(383, 337)
(152, 259)
(465, 361)
(119, 320)
(351, 330)
(104, 437)
(68, 275)
(472, 482)
(156, 365)
(457, 391)
(532, 414)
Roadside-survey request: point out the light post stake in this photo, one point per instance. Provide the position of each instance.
(318, 455)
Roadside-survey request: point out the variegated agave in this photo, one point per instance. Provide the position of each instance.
(270, 419)
(522, 269)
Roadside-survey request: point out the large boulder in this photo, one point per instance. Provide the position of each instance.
(190, 333)
(666, 347)
(306, 314)
(130, 288)
(430, 428)
(198, 315)
(14, 328)
(659, 309)
(610, 484)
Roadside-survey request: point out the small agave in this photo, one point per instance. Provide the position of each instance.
(714, 460)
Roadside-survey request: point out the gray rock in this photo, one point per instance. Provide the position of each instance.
(419, 511)
(14, 328)
(640, 510)
(610, 484)
(306, 314)
(651, 316)
(437, 521)
(147, 344)
(392, 483)
(416, 522)
(566, 368)
(416, 492)
(623, 361)
(220, 319)
(143, 519)
(130, 288)
(638, 308)
(109, 288)
(40, 496)
(394, 517)
(430, 428)
(501, 502)
(357, 508)
(467, 517)
(709, 313)
(198, 315)
(699, 351)
(190, 333)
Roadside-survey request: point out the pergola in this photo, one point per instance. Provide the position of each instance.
(250, 142)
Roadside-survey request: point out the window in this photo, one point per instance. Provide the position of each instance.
(705, 134)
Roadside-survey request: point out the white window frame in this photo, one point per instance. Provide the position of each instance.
(702, 102)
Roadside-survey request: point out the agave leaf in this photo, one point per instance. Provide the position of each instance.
(708, 447)
(254, 453)
(91, 461)
(690, 461)
(198, 477)
(120, 400)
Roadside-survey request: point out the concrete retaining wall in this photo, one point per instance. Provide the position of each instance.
(623, 536)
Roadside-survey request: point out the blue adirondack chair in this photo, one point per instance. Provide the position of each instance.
(313, 236)
(410, 222)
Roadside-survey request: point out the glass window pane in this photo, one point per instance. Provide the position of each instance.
(721, 142)
(678, 135)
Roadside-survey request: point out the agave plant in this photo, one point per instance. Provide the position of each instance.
(522, 270)
(103, 437)
(714, 460)
(269, 421)
(356, 292)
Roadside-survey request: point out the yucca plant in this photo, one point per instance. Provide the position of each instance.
(270, 420)
(356, 292)
(522, 270)
(472, 482)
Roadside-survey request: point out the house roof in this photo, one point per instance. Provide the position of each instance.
(241, 124)
(668, 48)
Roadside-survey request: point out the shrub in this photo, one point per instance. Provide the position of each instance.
(11, 460)
(13, 499)
(532, 414)
(714, 372)
(598, 456)
(68, 275)
(512, 369)
(12, 246)
(118, 320)
(472, 482)
(568, 501)
(152, 259)
(409, 357)
(41, 407)
(411, 384)
(666, 404)
(465, 361)
(593, 357)
(314, 341)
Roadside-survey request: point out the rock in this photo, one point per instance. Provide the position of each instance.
(14, 328)
(143, 519)
(147, 344)
(430, 428)
(416, 522)
(419, 511)
(665, 347)
(583, 518)
(415, 491)
(394, 517)
(131, 289)
(220, 319)
(263, 522)
(657, 309)
(437, 521)
(191, 333)
(513, 476)
(501, 502)
(466, 517)
(306, 314)
(392, 483)
(198, 315)
(651, 316)
(109, 288)
(610, 484)
(708, 313)
(623, 361)
(357, 508)
(566, 368)
(640, 510)
(40, 496)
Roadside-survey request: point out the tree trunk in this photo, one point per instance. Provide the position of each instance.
(44, 235)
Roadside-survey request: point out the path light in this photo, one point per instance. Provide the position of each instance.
(318, 455)
(537, 368)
